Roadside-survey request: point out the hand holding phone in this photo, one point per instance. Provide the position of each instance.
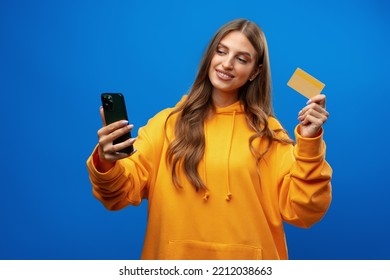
(115, 140)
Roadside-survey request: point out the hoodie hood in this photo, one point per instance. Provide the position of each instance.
(235, 108)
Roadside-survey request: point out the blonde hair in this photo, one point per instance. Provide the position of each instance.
(187, 149)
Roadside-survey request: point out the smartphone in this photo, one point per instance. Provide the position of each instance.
(115, 110)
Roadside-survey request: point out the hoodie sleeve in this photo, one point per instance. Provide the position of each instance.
(129, 180)
(305, 188)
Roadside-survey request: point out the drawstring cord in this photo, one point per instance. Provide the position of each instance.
(229, 194)
(206, 194)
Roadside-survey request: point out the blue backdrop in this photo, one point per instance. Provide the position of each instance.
(56, 57)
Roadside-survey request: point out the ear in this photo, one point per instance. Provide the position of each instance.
(255, 72)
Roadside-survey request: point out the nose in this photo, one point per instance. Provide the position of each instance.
(228, 62)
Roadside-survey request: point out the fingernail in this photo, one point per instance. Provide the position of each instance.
(308, 102)
(125, 122)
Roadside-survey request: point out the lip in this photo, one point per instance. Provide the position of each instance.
(225, 76)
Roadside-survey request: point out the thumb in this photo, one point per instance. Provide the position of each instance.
(102, 116)
(319, 99)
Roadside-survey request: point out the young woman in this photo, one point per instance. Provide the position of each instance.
(219, 172)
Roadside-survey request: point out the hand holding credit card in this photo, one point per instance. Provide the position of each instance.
(314, 114)
(305, 84)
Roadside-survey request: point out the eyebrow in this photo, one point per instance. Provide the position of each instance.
(240, 52)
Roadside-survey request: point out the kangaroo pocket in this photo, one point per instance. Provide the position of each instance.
(198, 250)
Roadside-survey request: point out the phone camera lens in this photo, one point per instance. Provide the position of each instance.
(107, 102)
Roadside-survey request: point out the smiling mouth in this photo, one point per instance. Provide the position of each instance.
(223, 75)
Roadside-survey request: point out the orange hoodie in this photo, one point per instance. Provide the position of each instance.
(241, 214)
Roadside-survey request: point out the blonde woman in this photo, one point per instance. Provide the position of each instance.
(219, 172)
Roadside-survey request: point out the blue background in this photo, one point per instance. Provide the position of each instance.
(56, 57)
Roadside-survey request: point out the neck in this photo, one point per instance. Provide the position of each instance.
(223, 99)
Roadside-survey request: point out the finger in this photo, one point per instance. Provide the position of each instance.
(313, 116)
(313, 107)
(120, 131)
(106, 140)
(313, 121)
(102, 115)
(112, 153)
(106, 130)
(120, 146)
(314, 111)
(319, 99)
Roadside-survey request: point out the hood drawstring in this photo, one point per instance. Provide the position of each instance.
(206, 195)
(229, 194)
(238, 108)
(206, 192)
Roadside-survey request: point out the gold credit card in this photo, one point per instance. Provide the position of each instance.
(305, 84)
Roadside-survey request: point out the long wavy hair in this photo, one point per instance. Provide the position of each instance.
(187, 149)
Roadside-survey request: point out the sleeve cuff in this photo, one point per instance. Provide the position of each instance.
(100, 176)
(309, 148)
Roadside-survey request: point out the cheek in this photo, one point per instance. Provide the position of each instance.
(244, 72)
(213, 63)
(210, 71)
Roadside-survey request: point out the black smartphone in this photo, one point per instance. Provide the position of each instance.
(114, 110)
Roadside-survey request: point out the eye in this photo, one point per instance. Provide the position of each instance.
(220, 51)
(242, 60)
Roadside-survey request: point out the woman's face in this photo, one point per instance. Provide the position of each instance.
(233, 64)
